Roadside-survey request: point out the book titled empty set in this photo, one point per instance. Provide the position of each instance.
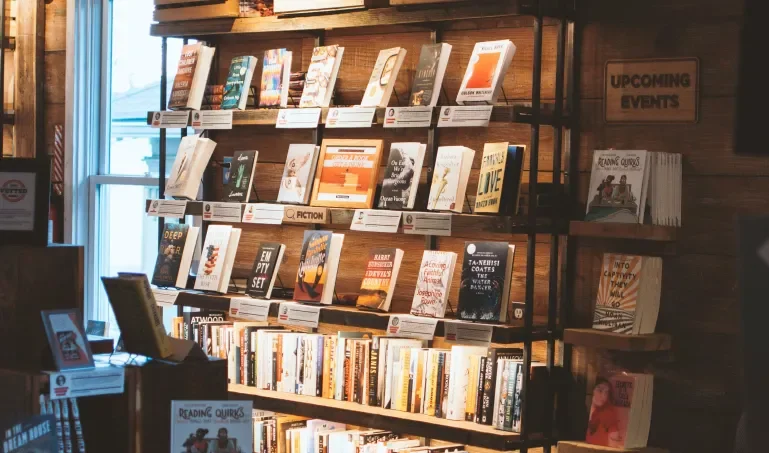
(401, 177)
(217, 258)
(191, 161)
(177, 246)
(499, 181)
(191, 76)
(379, 278)
(347, 173)
(238, 83)
(486, 72)
(450, 177)
(382, 82)
(265, 271)
(433, 284)
(321, 76)
(484, 289)
(318, 263)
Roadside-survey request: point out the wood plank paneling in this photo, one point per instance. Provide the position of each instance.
(55, 76)
(29, 76)
(56, 25)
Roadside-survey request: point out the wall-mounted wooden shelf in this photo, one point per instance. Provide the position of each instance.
(623, 231)
(9, 117)
(597, 339)
(467, 433)
(582, 447)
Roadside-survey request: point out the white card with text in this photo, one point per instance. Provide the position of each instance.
(427, 223)
(165, 297)
(222, 212)
(170, 119)
(465, 116)
(349, 117)
(408, 117)
(167, 208)
(298, 118)
(101, 380)
(263, 213)
(376, 221)
(296, 314)
(468, 333)
(212, 119)
(250, 309)
(412, 326)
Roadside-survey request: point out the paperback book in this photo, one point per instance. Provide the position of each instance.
(433, 284)
(620, 411)
(276, 73)
(217, 258)
(321, 76)
(347, 173)
(241, 178)
(211, 426)
(376, 289)
(382, 81)
(191, 76)
(298, 174)
(431, 68)
(177, 246)
(486, 72)
(499, 181)
(265, 271)
(618, 187)
(449, 185)
(318, 264)
(35, 434)
(401, 177)
(485, 285)
(238, 83)
(191, 161)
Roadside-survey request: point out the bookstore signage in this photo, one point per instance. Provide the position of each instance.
(294, 314)
(212, 119)
(465, 116)
(350, 117)
(167, 208)
(250, 309)
(102, 380)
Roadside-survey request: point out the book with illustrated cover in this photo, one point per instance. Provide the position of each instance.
(298, 174)
(238, 83)
(347, 173)
(459, 379)
(36, 434)
(383, 77)
(321, 76)
(486, 72)
(428, 80)
(499, 181)
(376, 289)
(318, 264)
(401, 177)
(191, 161)
(210, 426)
(433, 284)
(241, 178)
(617, 187)
(620, 411)
(191, 76)
(217, 258)
(67, 339)
(485, 285)
(177, 246)
(449, 184)
(276, 73)
(265, 271)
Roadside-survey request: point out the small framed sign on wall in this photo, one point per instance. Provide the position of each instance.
(664, 90)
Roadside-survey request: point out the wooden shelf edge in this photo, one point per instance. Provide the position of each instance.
(623, 231)
(569, 446)
(592, 338)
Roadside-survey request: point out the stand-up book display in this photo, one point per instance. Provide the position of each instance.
(428, 81)
(321, 76)
(191, 161)
(217, 258)
(401, 177)
(265, 271)
(298, 174)
(177, 246)
(241, 182)
(484, 290)
(450, 177)
(191, 76)
(347, 173)
(499, 181)
(433, 284)
(380, 86)
(318, 265)
(486, 72)
(238, 83)
(276, 75)
(376, 289)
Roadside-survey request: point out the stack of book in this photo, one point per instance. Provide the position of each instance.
(620, 412)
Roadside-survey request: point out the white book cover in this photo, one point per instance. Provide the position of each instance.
(213, 257)
(459, 379)
(298, 174)
(222, 426)
(288, 370)
(616, 187)
(191, 161)
(447, 190)
(182, 164)
(383, 77)
(433, 284)
(321, 76)
(486, 72)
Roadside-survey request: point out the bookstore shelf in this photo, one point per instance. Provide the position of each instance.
(9, 117)
(582, 447)
(464, 432)
(623, 231)
(597, 339)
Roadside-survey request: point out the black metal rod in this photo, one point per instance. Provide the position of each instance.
(162, 143)
(184, 129)
(2, 76)
(431, 242)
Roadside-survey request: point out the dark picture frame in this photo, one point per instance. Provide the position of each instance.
(70, 348)
(14, 190)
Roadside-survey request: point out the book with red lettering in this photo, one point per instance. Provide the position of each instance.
(191, 76)
(376, 289)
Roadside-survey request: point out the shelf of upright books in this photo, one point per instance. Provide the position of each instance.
(659, 233)
(597, 339)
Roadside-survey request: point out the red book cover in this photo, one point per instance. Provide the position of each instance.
(610, 410)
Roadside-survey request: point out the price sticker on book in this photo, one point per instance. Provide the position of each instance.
(408, 117)
(167, 208)
(298, 118)
(212, 119)
(350, 117)
(101, 380)
(412, 327)
(427, 224)
(465, 116)
(296, 314)
(376, 221)
(222, 212)
(165, 297)
(250, 309)
(170, 119)
(468, 333)
(263, 213)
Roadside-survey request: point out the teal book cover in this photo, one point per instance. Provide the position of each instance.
(235, 87)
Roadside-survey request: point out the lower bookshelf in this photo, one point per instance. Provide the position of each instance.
(464, 432)
(592, 338)
(582, 447)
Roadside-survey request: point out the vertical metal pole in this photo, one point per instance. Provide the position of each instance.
(162, 156)
(184, 129)
(433, 138)
(2, 76)
(317, 133)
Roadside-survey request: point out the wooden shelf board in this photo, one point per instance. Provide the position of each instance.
(582, 447)
(9, 117)
(623, 231)
(617, 342)
(467, 433)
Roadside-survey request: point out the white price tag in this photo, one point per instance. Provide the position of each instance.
(263, 213)
(468, 333)
(412, 326)
(170, 119)
(408, 117)
(296, 314)
(339, 117)
(102, 380)
(427, 224)
(222, 212)
(165, 297)
(251, 309)
(377, 221)
(167, 208)
(465, 116)
(212, 119)
(298, 118)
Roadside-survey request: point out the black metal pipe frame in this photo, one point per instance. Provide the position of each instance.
(163, 151)
(2, 76)
(433, 138)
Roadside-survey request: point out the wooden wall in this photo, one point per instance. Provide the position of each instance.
(55, 67)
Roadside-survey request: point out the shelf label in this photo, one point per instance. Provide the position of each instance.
(376, 221)
(167, 208)
(296, 314)
(412, 326)
(165, 297)
(468, 333)
(339, 117)
(222, 212)
(102, 380)
(305, 214)
(427, 224)
(263, 213)
(170, 119)
(408, 117)
(250, 309)
(298, 118)
(465, 116)
(212, 119)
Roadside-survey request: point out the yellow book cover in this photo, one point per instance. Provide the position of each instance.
(311, 277)
(472, 387)
(432, 378)
(419, 378)
(326, 366)
(491, 177)
(403, 382)
(332, 361)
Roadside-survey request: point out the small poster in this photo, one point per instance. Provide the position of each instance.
(17, 201)
(67, 338)
(211, 426)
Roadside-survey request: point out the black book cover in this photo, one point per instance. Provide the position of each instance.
(170, 255)
(373, 374)
(398, 176)
(263, 270)
(511, 188)
(483, 281)
(427, 69)
(32, 434)
(481, 384)
(311, 278)
(490, 377)
(241, 167)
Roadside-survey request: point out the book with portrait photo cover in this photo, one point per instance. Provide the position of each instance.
(67, 338)
(620, 411)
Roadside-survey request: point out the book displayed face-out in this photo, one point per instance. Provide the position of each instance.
(347, 173)
(616, 187)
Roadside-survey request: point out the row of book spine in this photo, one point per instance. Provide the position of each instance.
(69, 431)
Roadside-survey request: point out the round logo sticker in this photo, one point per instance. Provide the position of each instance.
(13, 191)
(471, 249)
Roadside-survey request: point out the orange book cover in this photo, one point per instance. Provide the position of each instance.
(346, 175)
(376, 278)
(618, 289)
(180, 92)
(610, 410)
(311, 277)
(483, 70)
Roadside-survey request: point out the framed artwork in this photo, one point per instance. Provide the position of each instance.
(346, 176)
(25, 186)
(67, 338)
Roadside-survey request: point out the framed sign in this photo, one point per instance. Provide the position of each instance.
(346, 176)
(24, 197)
(652, 91)
(67, 338)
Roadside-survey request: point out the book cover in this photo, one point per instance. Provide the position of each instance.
(170, 255)
(319, 76)
(273, 74)
(32, 434)
(499, 179)
(311, 277)
(426, 74)
(482, 287)
(383, 77)
(298, 174)
(185, 156)
(433, 284)
(443, 190)
(616, 185)
(265, 267)
(213, 257)
(67, 339)
(347, 173)
(224, 426)
(242, 168)
(610, 410)
(490, 385)
(485, 71)
(401, 177)
(618, 289)
(238, 82)
(378, 279)
(185, 73)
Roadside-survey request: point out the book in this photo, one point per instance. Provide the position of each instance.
(347, 173)
(499, 181)
(428, 80)
(484, 289)
(67, 339)
(376, 289)
(401, 177)
(459, 379)
(191, 161)
(664, 192)
(265, 270)
(36, 433)
(450, 177)
(177, 246)
(191, 77)
(628, 297)
(241, 178)
(276, 73)
(318, 263)
(382, 82)
(321, 76)
(217, 258)
(485, 73)
(617, 187)
(620, 411)
(433, 284)
(211, 426)
(489, 375)
(238, 83)
(298, 174)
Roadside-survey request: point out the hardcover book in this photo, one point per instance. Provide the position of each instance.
(486, 72)
(241, 178)
(321, 76)
(318, 264)
(298, 174)
(238, 83)
(223, 426)
(485, 286)
(217, 258)
(191, 76)
(617, 187)
(499, 182)
(177, 246)
(428, 80)
(191, 161)
(276, 73)
(376, 289)
(265, 271)
(382, 81)
(452, 171)
(401, 177)
(433, 284)
(347, 173)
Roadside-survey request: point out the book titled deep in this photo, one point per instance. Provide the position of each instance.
(485, 285)
(177, 246)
